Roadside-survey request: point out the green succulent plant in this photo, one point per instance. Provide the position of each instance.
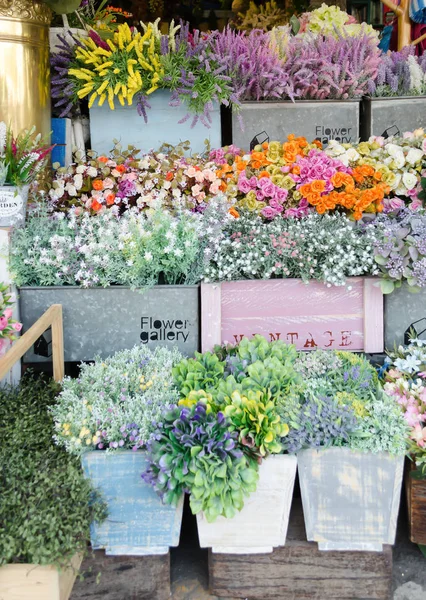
(200, 373)
(254, 415)
(196, 450)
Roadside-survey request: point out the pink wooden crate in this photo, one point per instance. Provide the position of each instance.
(307, 315)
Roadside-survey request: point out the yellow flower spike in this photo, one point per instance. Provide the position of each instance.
(102, 87)
(139, 79)
(111, 98)
(90, 43)
(85, 91)
(116, 71)
(102, 52)
(130, 70)
(120, 99)
(130, 97)
(124, 90)
(117, 88)
(103, 73)
(79, 74)
(112, 46)
(151, 90)
(120, 40)
(130, 46)
(102, 100)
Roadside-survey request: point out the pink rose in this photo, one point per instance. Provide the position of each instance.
(415, 204)
(8, 313)
(190, 171)
(129, 177)
(108, 183)
(253, 182)
(391, 204)
(199, 176)
(17, 326)
(268, 188)
(281, 194)
(3, 323)
(244, 184)
(273, 203)
(269, 213)
(260, 195)
(215, 187)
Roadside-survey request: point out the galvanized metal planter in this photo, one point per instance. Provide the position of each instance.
(262, 524)
(379, 114)
(101, 321)
(126, 125)
(317, 119)
(350, 499)
(138, 523)
(308, 315)
(402, 308)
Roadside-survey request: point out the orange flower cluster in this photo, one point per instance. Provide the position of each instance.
(362, 191)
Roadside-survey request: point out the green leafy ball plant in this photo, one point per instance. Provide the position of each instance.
(46, 504)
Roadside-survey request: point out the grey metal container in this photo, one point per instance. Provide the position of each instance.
(402, 308)
(379, 114)
(101, 321)
(350, 499)
(316, 119)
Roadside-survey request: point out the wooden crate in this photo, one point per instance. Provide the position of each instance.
(416, 502)
(124, 578)
(300, 571)
(308, 315)
(35, 582)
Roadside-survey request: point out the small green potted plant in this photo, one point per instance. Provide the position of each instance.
(106, 417)
(21, 160)
(46, 503)
(223, 443)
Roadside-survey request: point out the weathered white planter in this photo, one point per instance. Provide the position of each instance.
(262, 524)
(138, 522)
(407, 113)
(13, 205)
(129, 128)
(314, 119)
(350, 499)
(36, 582)
(402, 308)
(165, 315)
(64, 32)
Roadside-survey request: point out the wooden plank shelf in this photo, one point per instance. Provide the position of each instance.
(124, 578)
(299, 571)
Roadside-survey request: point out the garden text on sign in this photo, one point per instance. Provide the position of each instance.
(307, 315)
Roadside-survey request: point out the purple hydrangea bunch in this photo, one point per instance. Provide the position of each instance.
(325, 67)
(399, 74)
(194, 450)
(400, 249)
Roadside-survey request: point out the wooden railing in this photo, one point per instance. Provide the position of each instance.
(51, 318)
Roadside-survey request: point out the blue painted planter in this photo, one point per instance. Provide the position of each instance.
(138, 522)
(126, 125)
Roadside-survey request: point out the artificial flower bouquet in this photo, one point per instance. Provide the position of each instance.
(404, 376)
(8, 326)
(115, 403)
(22, 157)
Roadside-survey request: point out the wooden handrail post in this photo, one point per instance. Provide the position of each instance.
(51, 318)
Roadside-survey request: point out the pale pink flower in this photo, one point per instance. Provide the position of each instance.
(199, 176)
(3, 323)
(8, 313)
(215, 187)
(108, 183)
(17, 326)
(191, 171)
(196, 189)
(418, 434)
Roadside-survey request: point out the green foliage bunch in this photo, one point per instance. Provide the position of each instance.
(46, 503)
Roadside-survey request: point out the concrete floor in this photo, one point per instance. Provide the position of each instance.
(189, 569)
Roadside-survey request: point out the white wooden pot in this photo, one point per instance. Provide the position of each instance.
(13, 205)
(350, 499)
(262, 524)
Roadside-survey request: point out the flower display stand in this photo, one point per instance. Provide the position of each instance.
(402, 308)
(300, 571)
(35, 582)
(350, 499)
(307, 315)
(324, 120)
(138, 523)
(101, 321)
(262, 524)
(379, 114)
(416, 501)
(124, 577)
(129, 128)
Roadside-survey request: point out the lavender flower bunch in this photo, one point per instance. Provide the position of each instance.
(400, 249)
(194, 450)
(322, 68)
(195, 75)
(400, 74)
(63, 88)
(255, 68)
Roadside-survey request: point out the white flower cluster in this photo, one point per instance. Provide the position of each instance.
(326, 248)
